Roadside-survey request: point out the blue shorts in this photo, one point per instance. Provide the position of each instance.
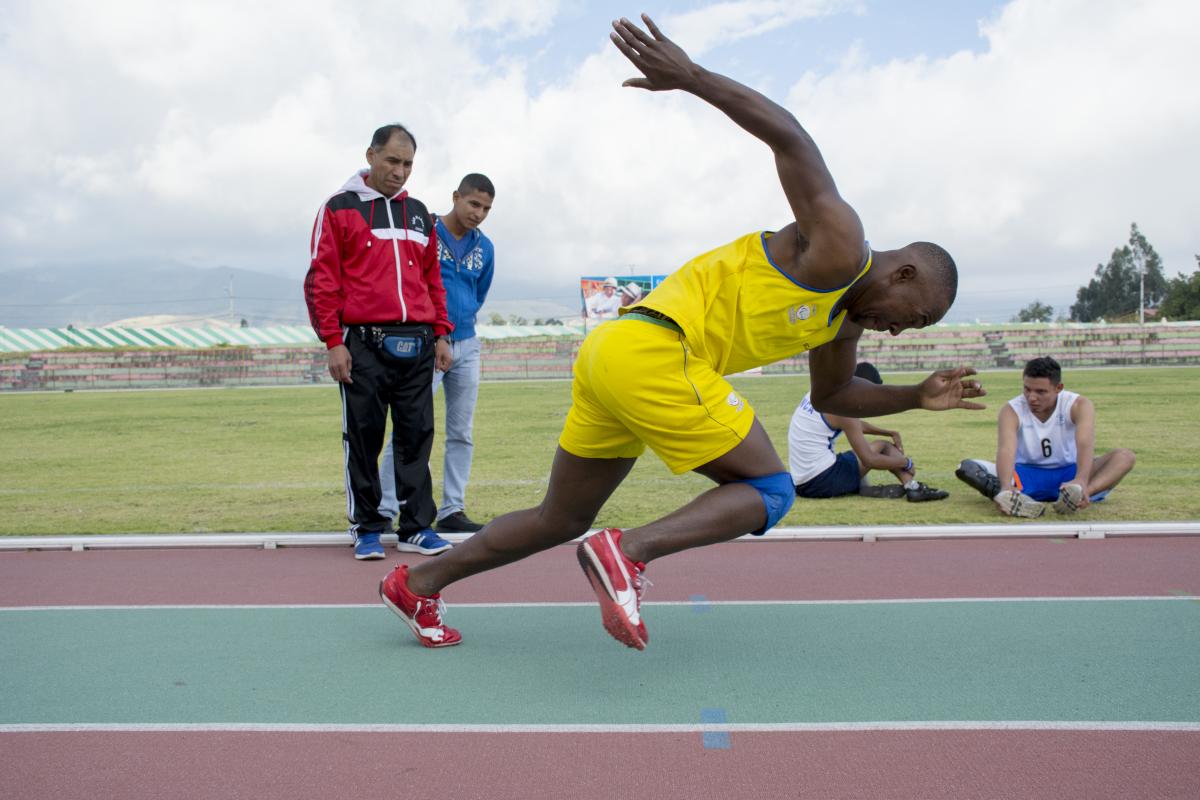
(841, 478)
(1042, 483)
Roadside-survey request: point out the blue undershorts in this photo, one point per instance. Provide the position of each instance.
(1042, 483)
(841, 478)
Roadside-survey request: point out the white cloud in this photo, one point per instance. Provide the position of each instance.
(212, 131)
(701, 29)
(1030, 159)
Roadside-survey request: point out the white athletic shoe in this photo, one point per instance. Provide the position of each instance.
(1069, 498)
(1016, 504)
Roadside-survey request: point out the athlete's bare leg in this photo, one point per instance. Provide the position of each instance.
(718, 515)
(887, 449)
(578, 489)
(1109, 469)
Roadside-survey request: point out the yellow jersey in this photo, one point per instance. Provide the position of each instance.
(738, 310)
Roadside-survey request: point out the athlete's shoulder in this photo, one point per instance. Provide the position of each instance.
(849, 331)
(1079, 406)
(831, 263)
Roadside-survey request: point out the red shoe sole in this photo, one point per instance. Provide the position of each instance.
(616, 622)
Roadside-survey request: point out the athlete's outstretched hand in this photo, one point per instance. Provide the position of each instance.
(663, 62)
(949, 388)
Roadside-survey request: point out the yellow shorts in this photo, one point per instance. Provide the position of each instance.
(636, 384)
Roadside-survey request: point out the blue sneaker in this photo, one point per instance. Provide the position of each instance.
(425, 542)
(367, 547)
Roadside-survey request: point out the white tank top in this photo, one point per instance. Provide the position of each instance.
(810, 443)
(1050, 443)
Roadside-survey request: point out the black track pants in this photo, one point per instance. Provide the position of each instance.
(406, 388)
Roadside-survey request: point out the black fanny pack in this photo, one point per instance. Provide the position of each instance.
(396, 342)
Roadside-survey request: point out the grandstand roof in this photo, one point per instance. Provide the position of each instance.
(16, 340)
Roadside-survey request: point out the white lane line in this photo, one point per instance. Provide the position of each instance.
(729, 727)
(590, 604)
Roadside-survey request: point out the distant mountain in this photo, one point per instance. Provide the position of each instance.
(527, 309)
(98, 294)
(88, 295)
(55, 295)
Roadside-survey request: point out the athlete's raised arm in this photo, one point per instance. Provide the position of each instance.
(822, 216)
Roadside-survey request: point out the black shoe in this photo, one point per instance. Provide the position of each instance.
(974, 475)
(891, 490)
(923, 493)
(458, 522)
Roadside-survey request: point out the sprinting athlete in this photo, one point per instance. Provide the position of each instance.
(656, 375)
(1045, 450)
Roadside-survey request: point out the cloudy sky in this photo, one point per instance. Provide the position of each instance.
(1025, 136)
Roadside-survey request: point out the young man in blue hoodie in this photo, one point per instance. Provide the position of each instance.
(468, 260)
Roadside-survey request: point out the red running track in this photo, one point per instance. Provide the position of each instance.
(771, 570)
(524, 766)
(870, 765)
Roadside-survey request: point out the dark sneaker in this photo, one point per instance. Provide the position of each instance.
(425, 542)
(1069, 498)
(367, 547)
(423, 615)
(923, 493)
(618, 584)
(974, 475)
(1016, 504)
(891, 490)
(458, 522)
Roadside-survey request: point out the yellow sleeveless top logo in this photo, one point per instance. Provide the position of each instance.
(738, 310)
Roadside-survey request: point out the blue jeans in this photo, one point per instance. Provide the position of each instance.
(461, 384)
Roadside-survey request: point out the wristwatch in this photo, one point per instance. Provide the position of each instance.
(445, 339)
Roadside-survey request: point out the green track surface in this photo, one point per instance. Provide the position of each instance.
(1009, 660)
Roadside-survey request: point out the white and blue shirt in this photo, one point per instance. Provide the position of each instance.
(1050, 443)
(810, 443)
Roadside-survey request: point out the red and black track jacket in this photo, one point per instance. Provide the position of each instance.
(374, 260)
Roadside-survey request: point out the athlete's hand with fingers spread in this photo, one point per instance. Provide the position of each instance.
(950, 388)
(663, 62)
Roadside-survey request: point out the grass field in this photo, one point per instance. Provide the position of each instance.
(270, 459)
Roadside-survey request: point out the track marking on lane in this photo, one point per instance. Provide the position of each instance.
(700, 727)
(715, 740)
(588, 604)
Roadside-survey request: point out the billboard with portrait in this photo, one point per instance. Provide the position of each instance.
(603, 295)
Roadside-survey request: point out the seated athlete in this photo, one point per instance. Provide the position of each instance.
(817, 472)
(656, 375)
(1045, 450)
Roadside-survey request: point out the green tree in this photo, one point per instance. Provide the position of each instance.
(1114, 290)
(1183, 296)
(1037, 311)
(497, 319)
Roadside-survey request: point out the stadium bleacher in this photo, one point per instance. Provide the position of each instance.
(551, 356)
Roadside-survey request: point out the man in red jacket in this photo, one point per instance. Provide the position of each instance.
(375, 297)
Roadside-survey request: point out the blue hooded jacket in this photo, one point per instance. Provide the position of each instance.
(467, 266)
